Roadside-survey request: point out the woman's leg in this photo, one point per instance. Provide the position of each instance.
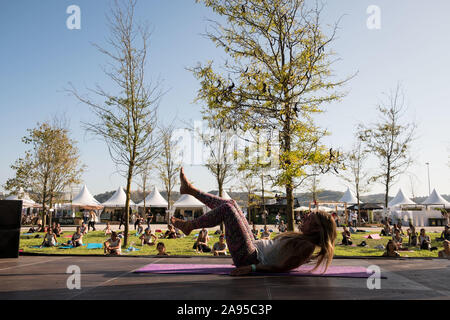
(239, 239)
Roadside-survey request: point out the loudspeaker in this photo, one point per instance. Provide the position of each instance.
(10, 218)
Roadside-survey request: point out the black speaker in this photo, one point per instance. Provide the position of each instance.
(10, 217)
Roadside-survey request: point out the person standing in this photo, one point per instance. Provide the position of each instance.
(354, 216)
(92, 218)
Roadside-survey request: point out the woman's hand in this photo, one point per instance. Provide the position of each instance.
(241, 271)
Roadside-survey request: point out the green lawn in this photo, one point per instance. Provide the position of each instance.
(183, 246)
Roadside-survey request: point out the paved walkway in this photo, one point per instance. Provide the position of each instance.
(113, 278)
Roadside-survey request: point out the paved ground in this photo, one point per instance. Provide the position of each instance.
(113, 278)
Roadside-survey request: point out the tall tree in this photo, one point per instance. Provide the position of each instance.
(126, 120)
(278, 76)
(49, 166)
(169, 161)
(390, 140)
(357, 176)
(218, 141)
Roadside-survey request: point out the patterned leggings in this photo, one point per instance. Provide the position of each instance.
(238, 233)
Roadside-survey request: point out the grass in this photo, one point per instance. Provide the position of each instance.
(183, 246)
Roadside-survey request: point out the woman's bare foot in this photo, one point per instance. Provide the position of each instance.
(184, 226)
(185, 185)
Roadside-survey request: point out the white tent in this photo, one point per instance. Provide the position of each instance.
(301, 208)
(225, 195)
(400, 199)
(349, 198)
(117, 200)
(187, 201)
(86, 200)
(436, 199)
(155, 200)
(325, 209)
(27, 202)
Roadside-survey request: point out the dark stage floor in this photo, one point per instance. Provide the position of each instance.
(42, 277)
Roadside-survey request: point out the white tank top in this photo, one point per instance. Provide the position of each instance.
(268, 251)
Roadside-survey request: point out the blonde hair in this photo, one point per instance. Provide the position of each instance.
(324, 238)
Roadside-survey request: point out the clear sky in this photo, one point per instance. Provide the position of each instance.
(39, 56)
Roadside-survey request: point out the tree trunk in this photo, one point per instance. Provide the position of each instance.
(127, 206)
(290, 207)
(222, 226)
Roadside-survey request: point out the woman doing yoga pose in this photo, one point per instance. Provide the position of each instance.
(286, 252)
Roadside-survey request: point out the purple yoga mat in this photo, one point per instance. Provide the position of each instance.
(221, 269)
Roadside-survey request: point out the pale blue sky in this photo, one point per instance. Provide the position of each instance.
(40, 56)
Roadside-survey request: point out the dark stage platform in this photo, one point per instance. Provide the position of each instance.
(45, 277)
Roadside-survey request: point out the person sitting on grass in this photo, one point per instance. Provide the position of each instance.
(412, 235)
(113, 245)
(77, 238)
(83, 229)
(265, 235)
(287, 251)
(397, 238)
(445, 235)
(108, 229)
(57, 229)
(161, 249)
(391, 250)
(424, 240)
(282, 227)
(147, 236)
(170, 233)
(346, 237)
(446, 252)
(386, 231)
(140, 229)
(220, 248)
(49, 239)
(201, 245)
(255, 232)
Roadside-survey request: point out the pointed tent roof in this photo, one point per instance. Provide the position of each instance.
(225, 195)
(85, 199)
(436, 198)
(349, 198)
(188, 201)
(27, 202)
(117, 200)
(154, 199)
(400, 199)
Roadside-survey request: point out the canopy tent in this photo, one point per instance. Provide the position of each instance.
(436, 199)
(27, 202)
(117, 200)
(301, 208)
(154, 199)
(366, 206)
(225, 195)
(400, 200)
(188, 201)
(325, 209)
(349, 198)
(85, 200)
